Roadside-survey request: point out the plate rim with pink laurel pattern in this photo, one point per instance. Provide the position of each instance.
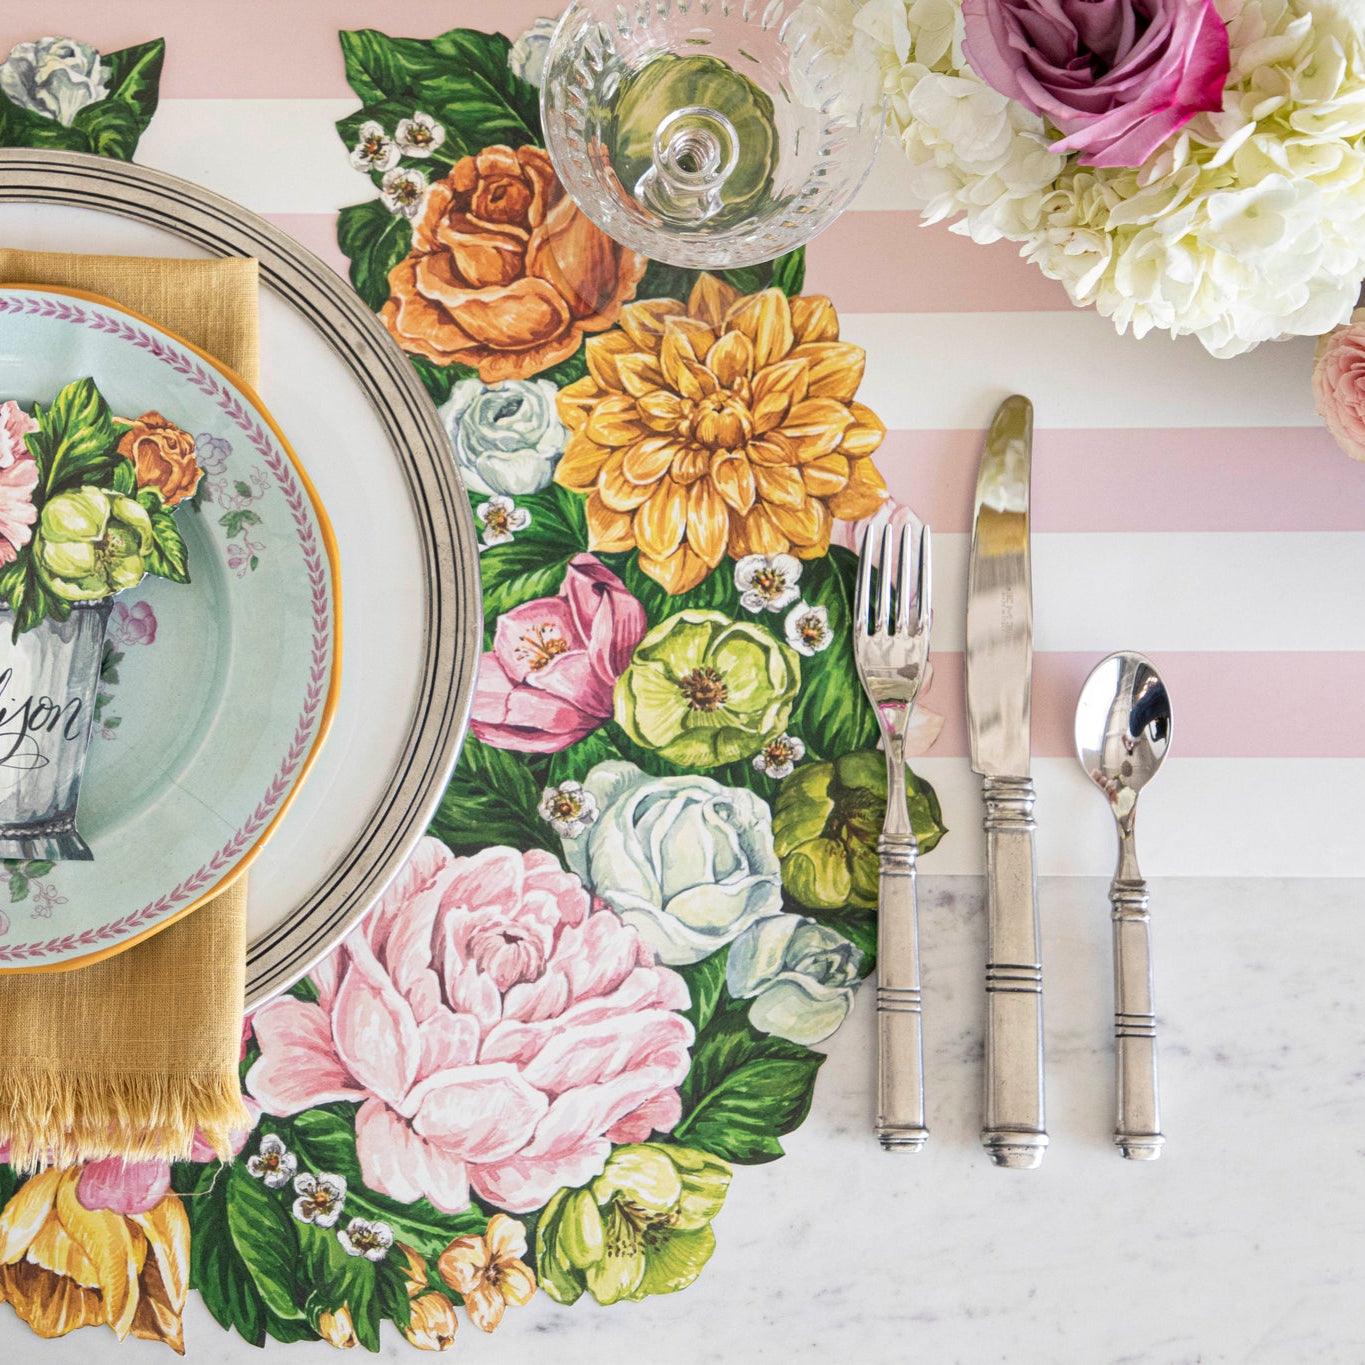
(235, 694)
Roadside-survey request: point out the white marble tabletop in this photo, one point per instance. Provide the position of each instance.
(1245, 1243)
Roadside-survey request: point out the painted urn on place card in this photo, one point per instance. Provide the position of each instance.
(86, 510)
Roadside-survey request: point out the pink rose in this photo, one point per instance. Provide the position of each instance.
(499, 1031)
(15, 424)
(18, 479)
(133, 624)
(1339, 384)
(549, 678)
(1116, 77)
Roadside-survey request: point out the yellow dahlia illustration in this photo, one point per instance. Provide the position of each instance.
(723, 425)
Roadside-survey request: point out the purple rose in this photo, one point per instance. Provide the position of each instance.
(1115, 77)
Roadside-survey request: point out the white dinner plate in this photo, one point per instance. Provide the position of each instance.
(369, 436)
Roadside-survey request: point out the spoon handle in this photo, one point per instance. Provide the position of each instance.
(900, 1040)
(1138, 1130)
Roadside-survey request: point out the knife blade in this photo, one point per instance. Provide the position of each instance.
(999, 674)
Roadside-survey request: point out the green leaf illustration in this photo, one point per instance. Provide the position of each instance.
(18, 887)
(573, 764)
(532, 565)
(333, 1280)
(237, 521)
(745, 1089)
(168, 557)
(264, 1231)
(124, 478)
(374, 240)
(111, 129)
(706, 985)
(461, 78)
(135, 78)
(832, 715)
(492, 799)
(76, 441)
(217, 1270)
(789, 272)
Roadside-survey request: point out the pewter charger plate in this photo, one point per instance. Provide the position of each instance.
(368, 434)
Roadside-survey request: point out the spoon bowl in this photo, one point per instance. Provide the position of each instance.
(1123, 728)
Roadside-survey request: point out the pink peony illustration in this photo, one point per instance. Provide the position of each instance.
(133, 623)
(17, 512)
(500, 1031)
(15, 424)
(1339, 384)
(549, 678)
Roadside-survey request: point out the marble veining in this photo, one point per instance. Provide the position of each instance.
(1245, 1243)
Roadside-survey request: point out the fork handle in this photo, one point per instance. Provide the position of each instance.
(1138, 1129)
(1015, 1130)
(900, 1040)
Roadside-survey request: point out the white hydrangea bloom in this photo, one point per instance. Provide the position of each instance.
(1246, 225)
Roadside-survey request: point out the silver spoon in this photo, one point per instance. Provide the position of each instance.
(1123, 730)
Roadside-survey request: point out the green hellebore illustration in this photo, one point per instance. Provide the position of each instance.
(642, 1227)
(92, 543)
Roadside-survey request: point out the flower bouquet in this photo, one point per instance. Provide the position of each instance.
(1191, 166)
(86, 509)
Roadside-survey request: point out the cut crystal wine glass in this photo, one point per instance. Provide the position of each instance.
(708, 133)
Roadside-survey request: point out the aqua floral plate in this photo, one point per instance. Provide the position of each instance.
(215, 698)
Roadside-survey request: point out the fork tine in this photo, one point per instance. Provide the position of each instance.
(863, 594)
(905, 583)
(886, 570)
(925, 587)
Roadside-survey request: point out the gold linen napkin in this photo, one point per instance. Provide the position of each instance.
(127, 1057)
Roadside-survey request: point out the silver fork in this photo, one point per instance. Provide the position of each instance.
(891, 647)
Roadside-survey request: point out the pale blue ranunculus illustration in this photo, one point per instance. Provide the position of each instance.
(688, 863)
(800, 975)
(507, 436)
(54, 77)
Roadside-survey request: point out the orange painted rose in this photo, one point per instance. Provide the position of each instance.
(163, 456)
(505, 272)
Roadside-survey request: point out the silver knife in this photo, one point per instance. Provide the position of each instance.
(999, 680)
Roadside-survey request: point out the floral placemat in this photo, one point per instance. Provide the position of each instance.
(649, 892)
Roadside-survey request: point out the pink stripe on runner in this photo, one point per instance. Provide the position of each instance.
(316, 231)
(255, 49)
(881, 261)
(1225, 705)
(1172, 479)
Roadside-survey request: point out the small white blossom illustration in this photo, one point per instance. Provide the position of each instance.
(320, 1200)
(419, 135)
(808, 629)
(767, 582)
(501, 519)
(779, 756)
(569, 809)
(273, 1163)
(403, 192)
(375, 151)
(362, 1238)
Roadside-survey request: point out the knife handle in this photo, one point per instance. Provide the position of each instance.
(1015, 1132)
(900, 1036)
(1138, 1129)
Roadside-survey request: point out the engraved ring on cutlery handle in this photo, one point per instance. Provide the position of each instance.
(900, 1054)
(1015, 1130)
(1138, 1128)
